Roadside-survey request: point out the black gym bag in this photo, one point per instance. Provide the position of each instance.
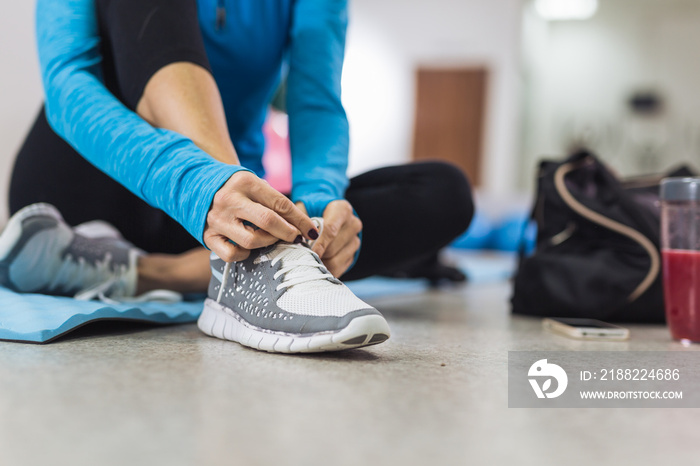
(597, 253)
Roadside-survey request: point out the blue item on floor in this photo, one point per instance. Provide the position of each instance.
(508, 233)
(513, 232)
(35, 318)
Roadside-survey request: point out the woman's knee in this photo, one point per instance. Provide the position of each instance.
(450, 195)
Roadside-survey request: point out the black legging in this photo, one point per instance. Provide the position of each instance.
(409, 212)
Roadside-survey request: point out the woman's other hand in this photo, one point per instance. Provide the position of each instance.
(339, 239)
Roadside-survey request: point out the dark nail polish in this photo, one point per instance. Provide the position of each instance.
(313, 234)
(298, 240)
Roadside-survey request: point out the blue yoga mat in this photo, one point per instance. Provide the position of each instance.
(35, 318)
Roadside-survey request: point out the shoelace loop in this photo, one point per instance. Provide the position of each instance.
(290, 264)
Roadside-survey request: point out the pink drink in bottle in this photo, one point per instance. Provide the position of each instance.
(680, 250)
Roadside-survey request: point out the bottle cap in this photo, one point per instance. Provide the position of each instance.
(680, 189)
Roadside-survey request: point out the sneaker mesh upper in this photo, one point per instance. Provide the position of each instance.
(322, 297)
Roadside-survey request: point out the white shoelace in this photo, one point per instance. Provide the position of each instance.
(297, 267)
(226, 273)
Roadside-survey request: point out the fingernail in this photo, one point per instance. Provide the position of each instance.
(313, 234)
(298, 239)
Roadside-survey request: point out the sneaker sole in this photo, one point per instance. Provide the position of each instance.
(218, 321)
(13, 230)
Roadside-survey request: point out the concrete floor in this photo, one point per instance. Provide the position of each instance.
(435, 394)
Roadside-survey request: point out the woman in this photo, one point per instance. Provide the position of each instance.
(153, 123)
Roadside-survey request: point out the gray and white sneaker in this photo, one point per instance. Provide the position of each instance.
(282, 299)
(40, 253)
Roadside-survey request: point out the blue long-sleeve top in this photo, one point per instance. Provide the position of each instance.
(248, 54)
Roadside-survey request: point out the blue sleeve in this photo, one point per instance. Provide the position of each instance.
(318, 126)
(162, 167)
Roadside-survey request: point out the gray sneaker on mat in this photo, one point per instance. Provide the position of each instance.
(40, 253)
(282, 299)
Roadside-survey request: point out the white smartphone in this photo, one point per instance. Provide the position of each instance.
(586, 329)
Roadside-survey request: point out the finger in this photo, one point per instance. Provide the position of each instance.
(248, 237)
(272, 199)
(226, 250)
(334, 217)
(349, 230)
(269, 221)
(340, 263)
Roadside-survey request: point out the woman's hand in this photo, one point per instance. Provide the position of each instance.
(339, 241)
(247, 198)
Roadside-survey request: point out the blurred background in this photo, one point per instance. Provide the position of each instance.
(491, 85)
